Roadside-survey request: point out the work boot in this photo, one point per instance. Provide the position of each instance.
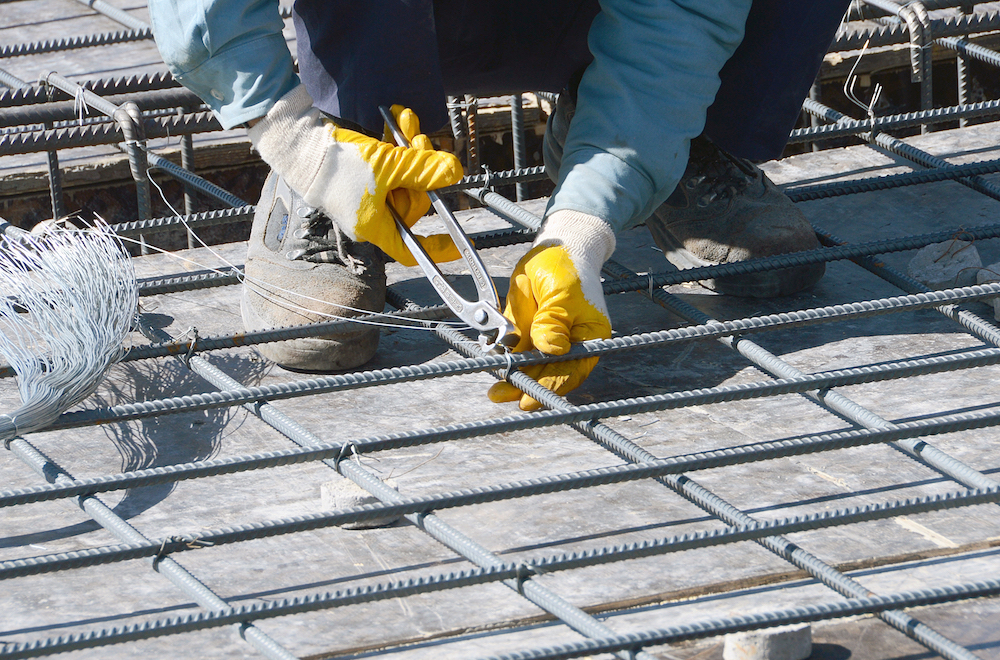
(725, 209)
(301, 269)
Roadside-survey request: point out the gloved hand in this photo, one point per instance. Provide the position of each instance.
(555, 299)
(348, 175)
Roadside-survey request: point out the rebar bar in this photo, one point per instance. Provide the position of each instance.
(115, 14)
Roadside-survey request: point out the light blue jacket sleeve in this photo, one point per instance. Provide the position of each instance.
(654, 75)
(231, 53)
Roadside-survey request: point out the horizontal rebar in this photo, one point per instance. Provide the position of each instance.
(506, 571)
(853, 187)
(105, 134)
(853, 36)
(740, 455)
(711, 330)
(806, 614)
(847, 126)
(73, 43)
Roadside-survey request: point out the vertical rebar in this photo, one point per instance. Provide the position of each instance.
(187, 162)
(55, 182)
(918, 21)
(816, 95)
(471, 119)
(517, 132)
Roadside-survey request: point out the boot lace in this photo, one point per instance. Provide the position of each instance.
(322, 241)
(713, 174)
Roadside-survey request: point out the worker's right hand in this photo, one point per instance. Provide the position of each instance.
(349, 176)
(555, 300)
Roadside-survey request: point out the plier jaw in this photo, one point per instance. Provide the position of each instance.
(496, 332)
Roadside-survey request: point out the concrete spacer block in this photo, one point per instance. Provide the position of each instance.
(989, 275)
(782, 643)
(946, 265)
(343, 493)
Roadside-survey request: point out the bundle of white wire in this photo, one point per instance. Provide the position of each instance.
(68, 299)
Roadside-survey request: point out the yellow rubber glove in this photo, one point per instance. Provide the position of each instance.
(349, 176)
(555, 299)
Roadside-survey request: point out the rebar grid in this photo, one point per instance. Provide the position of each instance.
(526, 577)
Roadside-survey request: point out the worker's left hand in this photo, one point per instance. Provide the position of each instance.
(350, 176)
(555, 300)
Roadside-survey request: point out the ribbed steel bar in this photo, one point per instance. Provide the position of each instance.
(55, 184)
(102, 86)
(831, 400)
(73, 43)
(918, 22)
(702, 497)
(966, 48)
(187, 164)
(879, 605)
(316, 602)
(718, 330)
(910, 152)
(157, 99)
(839, 188)
(522, 175)
(203, 538)
(166, 566)
(971, 322)
(102, 134)
(905, 150)
(195, 221)
(571, 615)
(853, 36)
(738, 455)
(504, 208)
(860, 9)
(962, 76)
(10, 80)
(517, 134)
(194, 181)
(115, 14)
(848, 126)
(51, 157)
(471, 124)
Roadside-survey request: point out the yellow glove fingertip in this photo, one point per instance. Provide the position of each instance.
(527, 404)
(439, 247)
(503, 392)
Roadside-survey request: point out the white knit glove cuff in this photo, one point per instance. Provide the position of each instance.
(292, 139)
(589, 240)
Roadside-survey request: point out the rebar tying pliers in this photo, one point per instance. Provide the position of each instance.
(495, 331)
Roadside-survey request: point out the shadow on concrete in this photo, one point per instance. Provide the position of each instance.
(158, 441)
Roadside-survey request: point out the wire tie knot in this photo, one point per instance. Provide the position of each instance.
(346, 450)
(191, 347)
(193, 542)
(487, 178)
(524, 573)
(162, 552)
(509, 358)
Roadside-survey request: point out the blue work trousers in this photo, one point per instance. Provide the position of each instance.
(354, 56)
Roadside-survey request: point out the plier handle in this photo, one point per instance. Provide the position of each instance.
(495, 331)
